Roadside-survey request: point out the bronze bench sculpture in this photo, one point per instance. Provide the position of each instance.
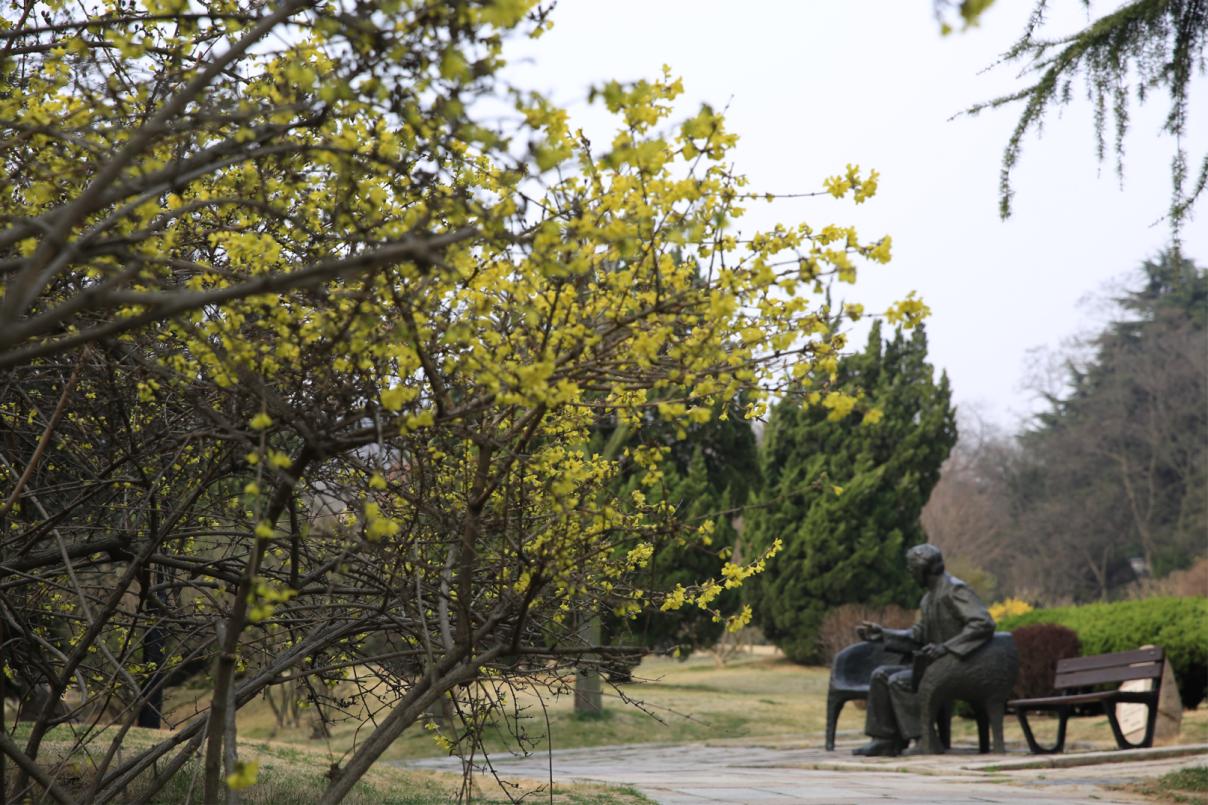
(952, 628)
(851, 671)
(984, 679)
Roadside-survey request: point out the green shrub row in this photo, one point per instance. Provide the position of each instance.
(1178, 625)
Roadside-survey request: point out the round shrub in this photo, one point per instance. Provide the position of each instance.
(1040, 646)
(1178, 625)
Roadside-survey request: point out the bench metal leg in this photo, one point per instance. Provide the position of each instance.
(981, 715)
(1150, 722)
(1036, 749)
(943, 725)
(994, 714)
(834, 705)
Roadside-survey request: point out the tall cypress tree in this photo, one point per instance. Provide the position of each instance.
(845, 496)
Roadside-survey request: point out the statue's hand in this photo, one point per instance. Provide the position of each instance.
(933, 651)
(870, 631)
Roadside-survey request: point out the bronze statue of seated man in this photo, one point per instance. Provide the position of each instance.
(952, 620)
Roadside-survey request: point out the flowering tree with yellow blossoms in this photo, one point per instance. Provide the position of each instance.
(302, 358)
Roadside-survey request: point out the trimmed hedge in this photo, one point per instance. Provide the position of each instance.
(1178, 625)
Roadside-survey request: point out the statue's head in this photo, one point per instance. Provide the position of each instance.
(924, 561)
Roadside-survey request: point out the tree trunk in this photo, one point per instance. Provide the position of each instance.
(153, 655)
(587, 678)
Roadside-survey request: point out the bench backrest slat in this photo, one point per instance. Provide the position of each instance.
(1109, 660)
(1098, 676)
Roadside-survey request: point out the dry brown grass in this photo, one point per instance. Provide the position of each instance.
(838, 629)
(1192, 581)
(292, 774)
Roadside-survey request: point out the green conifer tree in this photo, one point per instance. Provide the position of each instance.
(710, 472)
(844, 494)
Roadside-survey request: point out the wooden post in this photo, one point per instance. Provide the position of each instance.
(587, 678)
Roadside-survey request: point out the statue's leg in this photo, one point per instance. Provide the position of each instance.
(880, 720)
(880, 723)
(907, 705)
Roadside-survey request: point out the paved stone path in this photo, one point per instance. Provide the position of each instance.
(698, 774)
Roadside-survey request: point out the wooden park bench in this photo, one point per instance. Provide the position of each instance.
(1076, 679)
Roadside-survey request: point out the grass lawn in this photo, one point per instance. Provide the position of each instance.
(671, 701)
(1183, 786)
(753, 698)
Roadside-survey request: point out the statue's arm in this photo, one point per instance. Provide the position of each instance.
(904, 641)
(979, 626)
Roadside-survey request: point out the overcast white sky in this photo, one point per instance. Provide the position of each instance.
(815, 84)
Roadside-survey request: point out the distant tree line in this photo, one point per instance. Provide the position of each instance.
(1110, 481)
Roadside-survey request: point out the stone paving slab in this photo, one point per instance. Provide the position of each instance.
(698, 774)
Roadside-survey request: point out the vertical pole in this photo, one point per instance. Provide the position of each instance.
(587, 677)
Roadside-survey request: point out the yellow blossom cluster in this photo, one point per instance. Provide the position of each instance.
(1009, 607)
(346, 343)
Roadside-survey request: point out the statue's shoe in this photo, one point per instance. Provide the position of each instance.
(879, 747)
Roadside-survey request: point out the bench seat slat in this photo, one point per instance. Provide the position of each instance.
(1099, 676)
(1057, 702)
(1062, 701)
(1109, 660)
